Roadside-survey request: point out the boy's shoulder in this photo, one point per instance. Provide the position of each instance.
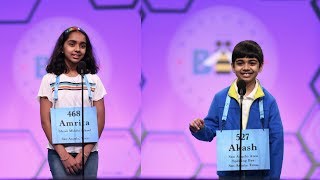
(223, 92)
(267, 95)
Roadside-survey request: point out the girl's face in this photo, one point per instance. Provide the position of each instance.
(74, 48)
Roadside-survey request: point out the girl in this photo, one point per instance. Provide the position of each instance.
(73, 46)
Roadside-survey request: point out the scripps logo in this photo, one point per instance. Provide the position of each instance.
(218, 61)
(199, 55)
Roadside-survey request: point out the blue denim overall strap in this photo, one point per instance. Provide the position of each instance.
(226, 109)
(56, 88)
(89, 89)
(55, 93)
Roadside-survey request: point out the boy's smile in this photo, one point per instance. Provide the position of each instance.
(247, 69)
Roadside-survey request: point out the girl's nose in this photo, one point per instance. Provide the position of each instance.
(77, 48)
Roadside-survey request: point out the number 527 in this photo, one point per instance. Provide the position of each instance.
(244, 137)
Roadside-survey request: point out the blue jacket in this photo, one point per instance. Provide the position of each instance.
(272, 120)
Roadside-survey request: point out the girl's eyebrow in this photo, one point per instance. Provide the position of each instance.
(81, 42)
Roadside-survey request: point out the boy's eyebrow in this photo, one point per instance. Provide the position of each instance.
(249, 59)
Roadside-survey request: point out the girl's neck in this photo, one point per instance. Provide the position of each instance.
(72, 69)
(72, 73)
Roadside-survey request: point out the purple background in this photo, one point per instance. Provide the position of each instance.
(173, 95)
(26, 43)
(147, 116)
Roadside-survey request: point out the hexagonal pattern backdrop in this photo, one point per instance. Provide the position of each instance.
(30, 29)
(178, 90)
(168, 155)
(144, 48)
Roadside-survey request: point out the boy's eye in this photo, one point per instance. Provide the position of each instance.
(239, 62)
(253, 63)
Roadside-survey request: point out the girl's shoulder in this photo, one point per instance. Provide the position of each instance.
(93, 77)
(49, 77)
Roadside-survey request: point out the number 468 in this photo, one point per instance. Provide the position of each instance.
(73, 113)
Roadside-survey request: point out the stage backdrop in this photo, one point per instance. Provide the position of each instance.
(183, 42)
(28, 32)
(161, 81)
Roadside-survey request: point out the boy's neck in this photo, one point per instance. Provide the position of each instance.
(249, 87)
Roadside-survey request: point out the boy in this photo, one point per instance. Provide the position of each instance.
(247, 63)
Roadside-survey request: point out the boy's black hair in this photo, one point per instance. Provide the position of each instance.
(248, 49)
(57, 64)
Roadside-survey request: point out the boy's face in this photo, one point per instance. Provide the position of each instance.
(247, 69)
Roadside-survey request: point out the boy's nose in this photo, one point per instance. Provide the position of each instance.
(246, 66)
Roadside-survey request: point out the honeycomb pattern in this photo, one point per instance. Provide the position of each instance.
(110, 5)
(20, 145)
(294, 152)
(23, 16)
(296, 145)
(178, 159)
(207, 171)
(142, 14)
(142, 82)
(206, 151)
(117, 145)
(44, 171)
(316, 174)
(316, 7)
(174, 145)
(165, 6)
(135, 129)
(118, 154)
(315, 84)
(310, 134)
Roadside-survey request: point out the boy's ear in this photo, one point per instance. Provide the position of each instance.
(261, 67)
(232, 67)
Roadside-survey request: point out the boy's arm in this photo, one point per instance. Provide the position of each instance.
(211, 123)
(276, 142)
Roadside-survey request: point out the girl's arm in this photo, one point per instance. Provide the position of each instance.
(67, 160)
(101, 121)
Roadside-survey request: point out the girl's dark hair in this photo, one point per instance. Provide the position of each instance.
(57, 64)
(249, 49)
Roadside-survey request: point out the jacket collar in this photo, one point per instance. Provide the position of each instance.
(233, 91)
